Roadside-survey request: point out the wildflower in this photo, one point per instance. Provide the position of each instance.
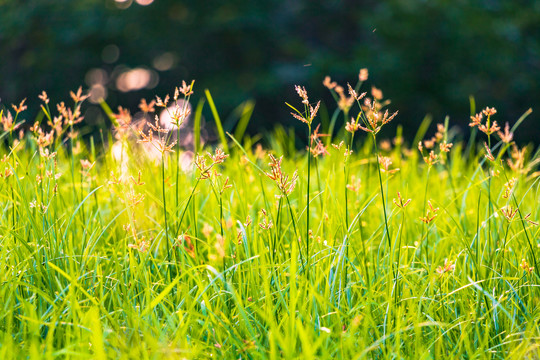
(431, 214)
(526, 218)
(447, 267)
(319, 148)
(266, 224)
(174, 117)
(507, 136)
(445, 147)
(363, 75)
(225, 186)
(147, 107)
(328, 83)
(302, 93)
(21, 107)
(489, 111)
(518, 158)
(509, 213)
(352, 126)
(44, 152)
(441, 131)
(376, 93)
(338, 146)
(385, 145)
(489, 127)
(508, 187)
(141, 246)
(162, 103)
(525, 266)
(185, 89)
(205, 169)
(115, 180)
(78, 97)
(399, 202)
(376, 119)
(476, 120)
(430, 144)
(431, 158)
(344, 102)
(138, 181)
(285, 185)
(353, 93)
(43, 97)
(159, 143)
(133, 198)
(7, 122)
(386, 162)
(219, 156)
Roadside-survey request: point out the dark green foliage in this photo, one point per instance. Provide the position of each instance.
(429, 56)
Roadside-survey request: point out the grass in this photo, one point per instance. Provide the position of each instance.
(120, 252)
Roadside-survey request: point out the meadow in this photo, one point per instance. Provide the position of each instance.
(357, 246)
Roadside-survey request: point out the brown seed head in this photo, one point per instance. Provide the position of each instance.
(507, 136)
(43, 97)
(363, 75)
(328, 83)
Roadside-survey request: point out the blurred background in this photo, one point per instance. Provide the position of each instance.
(428, 57)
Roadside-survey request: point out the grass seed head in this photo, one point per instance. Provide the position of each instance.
(399, 202)
(447, 267)
(363, 75)
(508, 187)
(147, 107)
(328, 83)
(506, 136)
(43, 97)
(431, 214)
(525, 266)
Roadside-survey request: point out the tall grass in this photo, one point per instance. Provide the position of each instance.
(434, 259)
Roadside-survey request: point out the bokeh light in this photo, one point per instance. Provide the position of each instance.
(137, 79)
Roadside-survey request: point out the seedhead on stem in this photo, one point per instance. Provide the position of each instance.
(430, 215)
(284, 184)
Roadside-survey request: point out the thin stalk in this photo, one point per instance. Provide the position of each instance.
(294, 225)
(307, 202)
(222, 236)
(276, 235)
(364, 251)
(177, 205)
(424, 212)
(165, 209)
(346, 173)
(72, 163)
(186, 207)
(383, 204)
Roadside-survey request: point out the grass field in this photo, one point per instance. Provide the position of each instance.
(359, 247)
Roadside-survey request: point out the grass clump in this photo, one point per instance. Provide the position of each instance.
(357, 248)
